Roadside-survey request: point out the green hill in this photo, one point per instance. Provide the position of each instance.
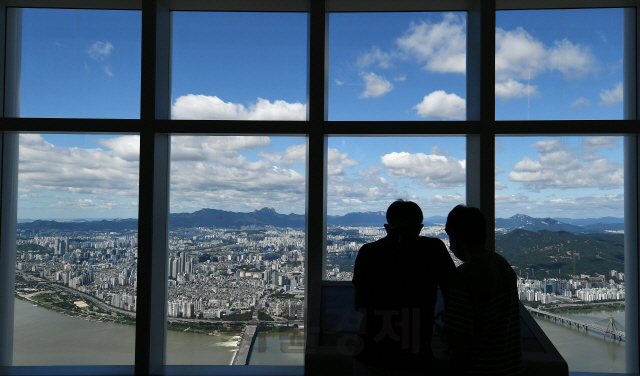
(549, 254)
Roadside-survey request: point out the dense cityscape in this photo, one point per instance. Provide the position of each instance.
(216, 273)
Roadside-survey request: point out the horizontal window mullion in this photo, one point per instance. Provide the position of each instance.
(560, 127)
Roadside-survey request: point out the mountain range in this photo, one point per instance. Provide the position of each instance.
(268, 216)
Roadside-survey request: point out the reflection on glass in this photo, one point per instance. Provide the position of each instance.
(79, 63)
(560, 223)
(237, 250)
(397, 66)
(76, 267)
(239, 66)
(559, 64)
(366, 174)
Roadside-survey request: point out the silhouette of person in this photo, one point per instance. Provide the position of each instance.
(396, 283)
(482, 317)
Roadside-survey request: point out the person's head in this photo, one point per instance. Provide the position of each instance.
(466, 227)
(404, 214)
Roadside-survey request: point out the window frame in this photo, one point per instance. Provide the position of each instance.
(155, 128)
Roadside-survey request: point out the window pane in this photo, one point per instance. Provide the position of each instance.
(559, 64)
(244, 66)
(237, 250)
(76, 273)
(367, 174)
(80, 63)
(397, 66)
(560, 223)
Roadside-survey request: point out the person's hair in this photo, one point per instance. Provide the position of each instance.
(402, 212)
(468, 223)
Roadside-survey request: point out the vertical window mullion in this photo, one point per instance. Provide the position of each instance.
(631, 184)
(153, 215)
(10, 34)
(480, 161)
(316, 160)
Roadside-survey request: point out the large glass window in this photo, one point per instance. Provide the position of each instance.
(239, 66)
(560, 223)
(559, 64)
(77, 247)
(367, 174)
(397, 66)
(237, 250)
(79, 63)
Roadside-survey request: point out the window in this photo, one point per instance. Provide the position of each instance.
(133, 88)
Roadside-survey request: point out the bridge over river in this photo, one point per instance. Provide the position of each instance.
(608, 326)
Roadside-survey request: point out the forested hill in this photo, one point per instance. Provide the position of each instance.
(549, 254)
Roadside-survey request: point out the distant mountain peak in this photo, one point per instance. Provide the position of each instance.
(265, 210)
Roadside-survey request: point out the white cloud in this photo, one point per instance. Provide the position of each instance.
(611, 97)
(195, 107)
(45, 167)
(100, 50)
(339, 83)
(511, 89)
(375, 56)
(210, 172)
(442, 46)
(337, 162)
(291, 155)
(223, 150)
(375, 86)
(580, 103)
(573, 60)
(593, 143)
(440, 105)
(107, 71)
(500, 186)
(400, 78)
(433, 171)
(558, 167)
(518, 55)
(125, 147)
(372, 170)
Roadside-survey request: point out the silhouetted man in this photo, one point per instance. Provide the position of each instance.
(396, 282)
(482, 315)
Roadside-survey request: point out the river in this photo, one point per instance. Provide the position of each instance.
(43, 337)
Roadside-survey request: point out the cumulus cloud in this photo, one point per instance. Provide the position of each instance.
(194, 107)
(100, 50)
(291, 155)
(593, 143)
(374, 57)
(611, 97)
(559, 167)
(511, 89)
(518, 54)
(580, 103)
(432, 171)
(368, 192)
(224, 150)
(572, 60)
(337, 162)
(44, 167)
(441, 46)
(440, 105)
(210, 172)
(375, 86)
(500, 186)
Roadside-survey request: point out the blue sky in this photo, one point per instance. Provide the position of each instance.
(399, 66)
